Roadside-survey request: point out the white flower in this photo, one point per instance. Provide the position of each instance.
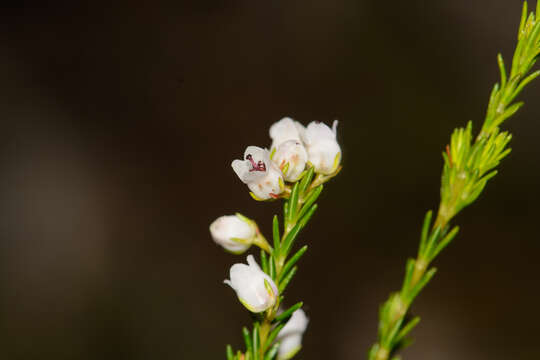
(255, 289)
(233, 232)
(261, 175)
(293, 153)
(290, 337)
(322, 147)
(285, 129)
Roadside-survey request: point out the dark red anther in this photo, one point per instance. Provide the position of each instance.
(449, 155)
(260, 166)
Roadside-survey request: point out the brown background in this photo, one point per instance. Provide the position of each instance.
(118, 126)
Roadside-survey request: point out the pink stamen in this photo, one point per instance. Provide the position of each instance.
(260, 166)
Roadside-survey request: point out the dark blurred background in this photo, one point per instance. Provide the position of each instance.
(118, 126)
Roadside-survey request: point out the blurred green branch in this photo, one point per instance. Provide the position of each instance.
(468, 165)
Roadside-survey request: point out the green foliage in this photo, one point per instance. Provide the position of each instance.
(469, 163)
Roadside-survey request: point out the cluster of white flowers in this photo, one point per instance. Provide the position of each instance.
(293, 147)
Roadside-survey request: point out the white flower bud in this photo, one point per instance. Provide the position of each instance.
(255, 289)
(290, 337)
(261, 175)
(293, 153)
(284, 130)
(233, 232)
(322, 147)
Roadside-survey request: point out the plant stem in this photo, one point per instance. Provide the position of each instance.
(469, 162)
(270, 315)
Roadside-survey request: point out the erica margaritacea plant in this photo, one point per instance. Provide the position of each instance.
(470, 161)
(301, 159)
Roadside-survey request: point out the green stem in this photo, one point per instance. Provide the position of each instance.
(399, 312)
(261, 242)
(468, 165)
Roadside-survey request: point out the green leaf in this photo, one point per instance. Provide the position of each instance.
(292, 261)
(272, 267)
(305, 219)
(524, 13)
(409, 270)
(264, 261)
(425, 231)
(255, 341)
(407, 328)
(306, 179)
(289, 240)
(272, 352)
(508, 113)
(431, 242)
(247, 339)
(421, 284)
(288, 313)
(285, 214)
(389, 340)
(273, 334)
(276, 236)
(373, 352)
(402, 345)
(524, 83)
(293, 203)
(383, 316)
(310, 199)
(502, 69)
(283, 284)
(230, 354)
(444, 242)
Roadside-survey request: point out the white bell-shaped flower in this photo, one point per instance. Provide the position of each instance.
(322, 147)
(291, 157)
(290, 337)
(254, 288)
(284, 130)
(261, 175)
(233, 232)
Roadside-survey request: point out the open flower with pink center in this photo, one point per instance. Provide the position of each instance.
(259, 173)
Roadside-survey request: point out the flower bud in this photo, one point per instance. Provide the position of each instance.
(291, 157)
(261, 175)
(322, 147)
(284, 130)
(233, 232)
(254, 288)
(290, 337)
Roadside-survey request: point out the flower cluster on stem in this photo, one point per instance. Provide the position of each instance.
(301, 159)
